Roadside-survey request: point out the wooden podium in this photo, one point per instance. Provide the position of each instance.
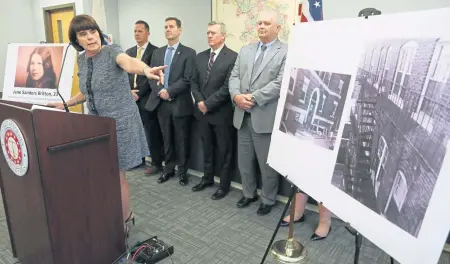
(67, 207)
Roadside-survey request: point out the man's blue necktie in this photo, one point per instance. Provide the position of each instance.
(168, 62)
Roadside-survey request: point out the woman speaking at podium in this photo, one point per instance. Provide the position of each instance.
(105, 87)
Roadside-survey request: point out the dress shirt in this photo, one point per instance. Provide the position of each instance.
(268, 45)
(217, 51)
(175, 47)
(142, 54)
(144, 47)
(173, 54)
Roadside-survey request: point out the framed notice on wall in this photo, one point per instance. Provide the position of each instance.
(35, 73)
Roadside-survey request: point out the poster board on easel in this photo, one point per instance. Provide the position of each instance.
(34, 73)
(343, 76)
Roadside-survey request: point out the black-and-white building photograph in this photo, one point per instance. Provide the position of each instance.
(394, 145)
(314, 105)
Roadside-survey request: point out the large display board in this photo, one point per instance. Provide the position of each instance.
(32, 73)
(363, 124)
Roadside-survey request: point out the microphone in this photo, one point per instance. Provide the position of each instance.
(59, 78)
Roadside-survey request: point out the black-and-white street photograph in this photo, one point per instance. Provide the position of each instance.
(314, 105)
(393, 147)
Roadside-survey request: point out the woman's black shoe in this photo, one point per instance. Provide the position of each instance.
(284, 223)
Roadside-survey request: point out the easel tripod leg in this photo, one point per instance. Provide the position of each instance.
(358, 242)
(278, 225)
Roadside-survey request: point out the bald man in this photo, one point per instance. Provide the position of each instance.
(254, 85)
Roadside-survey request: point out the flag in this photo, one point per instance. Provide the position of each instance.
(108, 38)
(310, 10)
(99, 14)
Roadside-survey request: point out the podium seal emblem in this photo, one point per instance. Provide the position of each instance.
(14, 147)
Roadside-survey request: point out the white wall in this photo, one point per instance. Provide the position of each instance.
(194, 16)
(112, 14)
(87, 7)
(350, 8)
(38, 14)
(21, 31)
(112, 19)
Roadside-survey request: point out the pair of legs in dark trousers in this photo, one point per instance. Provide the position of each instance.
(217, 137)
(144, 117)
(176, 132)
(154, 139)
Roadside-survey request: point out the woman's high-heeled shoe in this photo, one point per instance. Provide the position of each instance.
(130, 219)
(300, 220)
(316, 237)
(324, 219)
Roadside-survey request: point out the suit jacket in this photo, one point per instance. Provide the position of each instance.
(181, 70)
(213, 90)
(141, 81)
(266, 84)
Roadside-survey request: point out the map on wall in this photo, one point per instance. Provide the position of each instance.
(240, 18)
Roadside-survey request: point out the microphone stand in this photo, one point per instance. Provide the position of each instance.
(66, 107)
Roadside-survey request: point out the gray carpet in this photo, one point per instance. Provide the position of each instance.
(214, 232)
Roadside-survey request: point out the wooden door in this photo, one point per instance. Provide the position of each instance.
(58, 28)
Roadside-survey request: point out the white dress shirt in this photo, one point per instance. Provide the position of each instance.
(217, 51)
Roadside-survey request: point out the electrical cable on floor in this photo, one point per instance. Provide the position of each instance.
(168, 253)
(170, 256)
(136, 253)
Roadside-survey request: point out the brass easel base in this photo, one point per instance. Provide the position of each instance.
(289, 251)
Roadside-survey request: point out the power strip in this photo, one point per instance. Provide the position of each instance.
(155, 251)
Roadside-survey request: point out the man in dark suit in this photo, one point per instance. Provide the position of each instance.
(173, 101)
(141, 90)
(209, 88)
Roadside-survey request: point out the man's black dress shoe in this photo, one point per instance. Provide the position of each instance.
(264, 209)
(316, 237)
(219, 194)
(300, 220)
(244, 201)
(165, 177)
(202, 185)
(183, 179)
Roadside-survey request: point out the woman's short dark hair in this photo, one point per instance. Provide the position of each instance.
(80, 23)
